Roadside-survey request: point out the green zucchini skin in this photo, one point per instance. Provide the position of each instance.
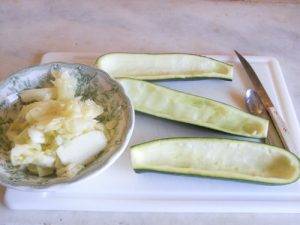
(254, 179)
(238, 122)
(141, 171)
(181, 78)
(214, 74)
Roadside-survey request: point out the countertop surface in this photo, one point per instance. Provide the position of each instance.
(28, 29)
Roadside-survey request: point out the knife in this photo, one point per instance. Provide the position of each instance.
(279, 123)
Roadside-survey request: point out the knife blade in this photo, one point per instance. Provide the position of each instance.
(265, 99)
(277, 120)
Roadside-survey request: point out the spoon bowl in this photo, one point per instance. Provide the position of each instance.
(253, 102)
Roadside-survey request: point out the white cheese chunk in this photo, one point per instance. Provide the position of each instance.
(28, 154)
(36, 136)
(80, 149)
(41, 94)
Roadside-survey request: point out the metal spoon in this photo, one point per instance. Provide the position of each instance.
(256, 107)
(253, 102)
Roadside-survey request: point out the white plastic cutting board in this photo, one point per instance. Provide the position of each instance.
(120, 189)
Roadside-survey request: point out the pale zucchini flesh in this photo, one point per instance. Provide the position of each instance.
(217, 158)
(163, 66)
(174, 105)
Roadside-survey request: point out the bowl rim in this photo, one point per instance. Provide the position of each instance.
(113, 158)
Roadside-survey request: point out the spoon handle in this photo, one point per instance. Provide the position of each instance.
(281, 128)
